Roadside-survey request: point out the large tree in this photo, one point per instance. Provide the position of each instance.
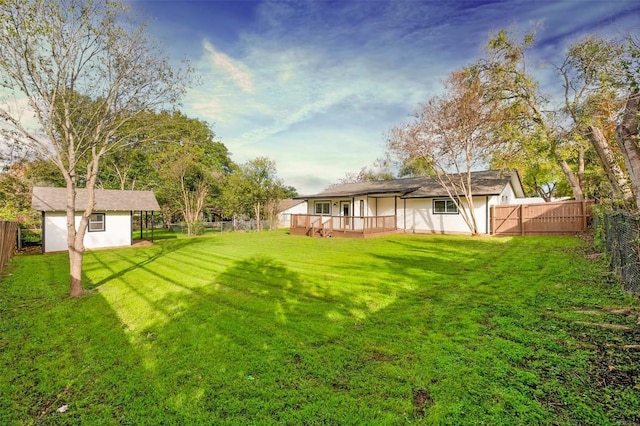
(628, 123)
(529, 122)
(599, 78)
(592, 77)
(450, 134)
(191, 166)
(253, 190)
(366, 174)
(85, 69)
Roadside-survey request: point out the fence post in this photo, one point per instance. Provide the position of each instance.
(521, 219)
(492, 212)
(7, 239)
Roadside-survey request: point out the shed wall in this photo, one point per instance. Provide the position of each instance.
(117, 231)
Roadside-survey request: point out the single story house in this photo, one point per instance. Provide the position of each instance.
(110, 224)
(412, 205)
(287, 207)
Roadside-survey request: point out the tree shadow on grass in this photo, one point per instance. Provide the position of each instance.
(74, 353)
(253, 346)
(143, 257)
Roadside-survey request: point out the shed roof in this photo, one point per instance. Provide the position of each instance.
(490, 182)
(55, 199)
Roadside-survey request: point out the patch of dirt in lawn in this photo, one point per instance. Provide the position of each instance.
(422, 400)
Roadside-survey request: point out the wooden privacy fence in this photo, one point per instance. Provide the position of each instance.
(563, 218)
(8, 234)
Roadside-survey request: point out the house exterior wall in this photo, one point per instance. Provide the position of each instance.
(284, 217)
(416, 215)
(334, 205)
(361, 207)
(385, 206)
(507, 196)
(117, 231)
(373, 206)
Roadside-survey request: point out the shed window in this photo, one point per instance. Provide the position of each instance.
(323, 207)
(96, 222)
(445, 206)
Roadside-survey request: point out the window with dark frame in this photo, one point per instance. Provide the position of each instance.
(444, 206)
(323, 207)
(96, 222)
(361, 208)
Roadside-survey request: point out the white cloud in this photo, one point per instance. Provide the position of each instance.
(235, 70)
(315, 87)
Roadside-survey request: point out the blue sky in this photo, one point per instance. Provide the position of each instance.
(316, 85)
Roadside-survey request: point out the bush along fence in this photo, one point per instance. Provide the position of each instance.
(8, 236)
(618, 235)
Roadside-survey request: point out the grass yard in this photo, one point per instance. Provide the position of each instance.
(266, 328)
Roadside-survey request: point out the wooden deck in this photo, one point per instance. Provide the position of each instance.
(342, 226)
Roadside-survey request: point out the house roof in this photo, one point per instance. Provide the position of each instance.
(55, 199)
(490, 182)
(367, 188)
(288, 203)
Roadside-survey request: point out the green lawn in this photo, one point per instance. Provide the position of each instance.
(266, 328)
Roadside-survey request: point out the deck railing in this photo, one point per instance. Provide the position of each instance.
(317, 225)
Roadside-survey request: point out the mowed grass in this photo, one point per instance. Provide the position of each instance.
(267, 328)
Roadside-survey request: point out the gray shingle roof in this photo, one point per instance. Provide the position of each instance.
(288, 203)
(55, 199)
(483, 183)
(490, 182)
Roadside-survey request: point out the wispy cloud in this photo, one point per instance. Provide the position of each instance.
(316, 85)
(236, 71)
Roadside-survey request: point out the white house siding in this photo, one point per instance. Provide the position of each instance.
(284, 217)
(385, 206)
(364, 201)
(416, 215)
(334, 206)
(507, 196)
(117, 231)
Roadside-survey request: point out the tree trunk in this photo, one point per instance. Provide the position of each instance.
(615, 175)
(627, 139)
(256, 208)
(574, 181)
(75, 269)
(75, 245)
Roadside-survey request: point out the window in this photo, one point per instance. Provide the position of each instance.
(361, 208)
(96, 222)
(444, 207)
(323, 207)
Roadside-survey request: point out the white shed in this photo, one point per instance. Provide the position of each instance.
(110, 225)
